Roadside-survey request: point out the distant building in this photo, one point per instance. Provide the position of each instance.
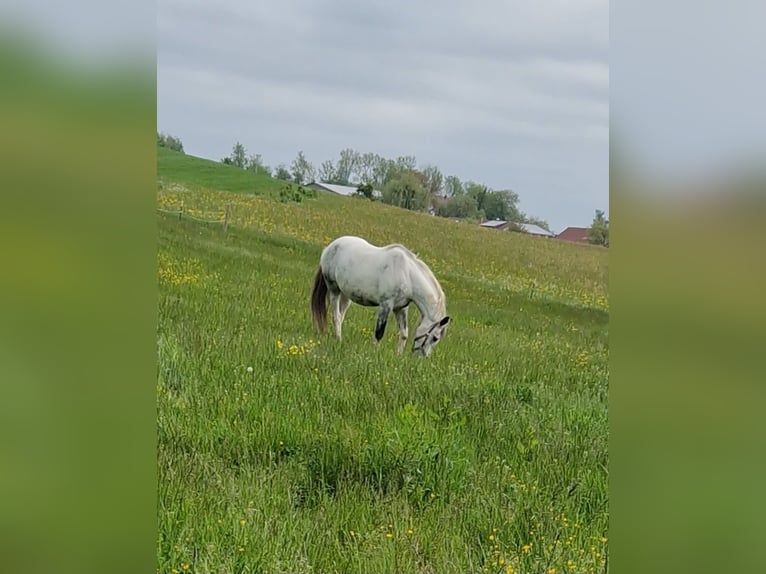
(347, 190)
(533, 229)
(495, 224)
(574, 234)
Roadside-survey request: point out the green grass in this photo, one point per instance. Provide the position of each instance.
(346, 457)
(205, 173)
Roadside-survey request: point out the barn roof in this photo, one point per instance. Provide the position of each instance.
(493, 223)
(339, 189)
(535, 229)
(574, 234)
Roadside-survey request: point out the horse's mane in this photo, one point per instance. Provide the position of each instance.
(426, 271)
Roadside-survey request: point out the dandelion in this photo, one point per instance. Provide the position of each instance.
(409, 532)
(250, 369)
(491, 537)
(526, 548)
(389, 535)
(242, 522)
(184, 566)
(509, 569)
(552, 570)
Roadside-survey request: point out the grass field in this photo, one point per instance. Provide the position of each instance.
(283, 451)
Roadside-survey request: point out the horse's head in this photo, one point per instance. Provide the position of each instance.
(428, 336)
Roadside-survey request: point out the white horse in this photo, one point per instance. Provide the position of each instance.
(390, 278)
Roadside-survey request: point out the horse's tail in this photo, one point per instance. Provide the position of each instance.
(319, 302)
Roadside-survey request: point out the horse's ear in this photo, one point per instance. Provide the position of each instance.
(444, 321)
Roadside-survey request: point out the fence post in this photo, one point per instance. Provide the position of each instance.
(181, 211)
(226, 218)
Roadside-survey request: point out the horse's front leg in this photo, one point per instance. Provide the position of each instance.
(401, 320)
(380, 326)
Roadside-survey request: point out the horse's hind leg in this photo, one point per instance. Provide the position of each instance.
(340, 306)
(401, 320)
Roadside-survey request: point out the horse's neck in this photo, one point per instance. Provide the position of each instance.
(427, 292)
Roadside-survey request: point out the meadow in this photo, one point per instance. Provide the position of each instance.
(280, 450)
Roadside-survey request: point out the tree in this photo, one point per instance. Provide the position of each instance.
(434, 180)
(406, 190)
(365, 190)
(383, 170)
(302, 169)
(460, 206)
(598, 234)
(282, 172)
(256, 165)
(238, 156)
(365, 168)
(170, 142)
(327, 172)
(346, 166)
(453, 186)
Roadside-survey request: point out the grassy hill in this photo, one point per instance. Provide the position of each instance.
(204, 173)
(280, 450)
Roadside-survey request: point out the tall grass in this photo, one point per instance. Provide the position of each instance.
(283, 451)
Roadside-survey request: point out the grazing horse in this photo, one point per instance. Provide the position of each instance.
(390, 278)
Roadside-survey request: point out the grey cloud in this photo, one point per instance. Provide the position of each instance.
(513, 94)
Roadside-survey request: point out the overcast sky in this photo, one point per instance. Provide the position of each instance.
(509, 94)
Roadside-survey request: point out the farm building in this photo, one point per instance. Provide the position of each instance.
(347, 190)
(575, 234)
(495, 224)
(533, 229)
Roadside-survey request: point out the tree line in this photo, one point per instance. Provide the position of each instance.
(401, 182)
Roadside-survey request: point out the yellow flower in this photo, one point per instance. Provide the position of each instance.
(491, 537)
(509, 569)
(389, 536)
(551, 570)
(409, 531)
(174, 571)
(184, 566)
(280, 344)
(526, 548)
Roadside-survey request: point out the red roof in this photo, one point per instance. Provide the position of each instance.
(578, 234)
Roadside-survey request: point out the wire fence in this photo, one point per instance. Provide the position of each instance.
(183, 214)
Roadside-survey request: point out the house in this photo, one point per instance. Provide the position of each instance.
(347, 190)
(533, 229)
(495, 224)
(575, 234)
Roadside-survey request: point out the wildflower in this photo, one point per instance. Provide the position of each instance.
(509, 569)
(250, 369)
(184, 566)
(409, 531)
(526, 548)
(389, 535)
(491, 537)
(242, 522)
(552, 570)
(174, 571)
(241, 549)
(280, 344)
